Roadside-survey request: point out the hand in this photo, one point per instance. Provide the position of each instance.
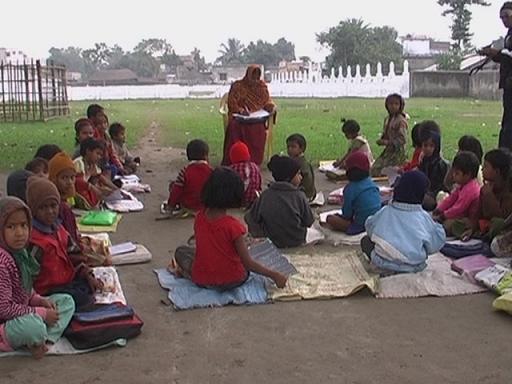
(94, 283)
(489, 52)
(382, 142)
(280, 280)
(244, 111)
(336, 164)
(52, 316)
(269, 107)
(466, 235)
(48, 304)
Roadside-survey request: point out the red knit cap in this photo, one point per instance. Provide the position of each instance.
(358, 160)
(239, 152)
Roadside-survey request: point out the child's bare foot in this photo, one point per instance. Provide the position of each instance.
(38, 351)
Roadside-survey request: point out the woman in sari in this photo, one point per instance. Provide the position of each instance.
(246, 96)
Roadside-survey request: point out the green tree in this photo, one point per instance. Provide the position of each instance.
(449, 61)
(71, 57)
(198, 59)
(153, 47)
(261, 52)
(143, 64)
(231, 52)
(285, 50)
(353, 42)
(461, 16)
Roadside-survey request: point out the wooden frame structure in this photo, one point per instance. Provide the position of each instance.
(32, 92)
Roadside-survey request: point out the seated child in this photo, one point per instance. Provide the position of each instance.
(471, 144)
(296, 144)
(83, 130)
(27, 320)
(282, 212)
(221, 259)
(361, 197)
(117, 133)
(249, 172)
(38, 166)
(402, 235)
(462, 203)
(496, 194)
(47, 151)
(91, 185)
(17, 184)
(351, 129)
(94, 110)
(62, 173)
(394, 136)
(185, 192)
(433, 166)
(110, 163)
(416, 143)
(49, 244)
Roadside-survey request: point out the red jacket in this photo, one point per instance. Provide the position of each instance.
(56, 267)
(186, 190)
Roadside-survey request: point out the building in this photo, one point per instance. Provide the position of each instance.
(422, 51)
(113, 77)
(228, 74)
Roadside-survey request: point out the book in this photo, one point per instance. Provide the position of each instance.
(254, 117)
(122, 248)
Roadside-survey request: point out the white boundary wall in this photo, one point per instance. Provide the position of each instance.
(291, 84)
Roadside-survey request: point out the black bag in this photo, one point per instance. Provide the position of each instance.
(84, 335)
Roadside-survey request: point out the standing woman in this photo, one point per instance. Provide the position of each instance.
(246, 96)
(504, 57)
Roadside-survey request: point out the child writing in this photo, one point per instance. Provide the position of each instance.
(394, 136)
(282, 212)
(117, 133)
(221, 259)
(50, 244)
(91, 185)
(361, 197)
(433, 166)
(351, 130)
(402, 235)
(462, 203)
(83, 130)
(248, 171)
(185, 192)
(296, 145)
(27, 320)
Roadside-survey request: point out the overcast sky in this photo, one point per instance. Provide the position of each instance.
(35, 25)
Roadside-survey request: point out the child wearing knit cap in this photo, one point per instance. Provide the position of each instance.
(361, 197)
(248, 171)
(27, 320)
(401, 235)
(282, 212)
(50, 244)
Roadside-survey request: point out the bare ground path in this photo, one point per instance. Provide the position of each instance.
(354, 340)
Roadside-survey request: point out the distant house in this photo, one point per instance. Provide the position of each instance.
(228, 74)
(189, 73)
(73, 77)
(422, 51)
(113, 77)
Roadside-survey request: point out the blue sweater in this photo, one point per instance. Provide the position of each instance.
(360, 200)
(404, 235)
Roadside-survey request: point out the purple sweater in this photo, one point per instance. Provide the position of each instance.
(15, 301)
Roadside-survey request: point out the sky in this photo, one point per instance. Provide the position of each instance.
(207, 24)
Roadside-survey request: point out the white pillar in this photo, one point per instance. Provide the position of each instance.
(368, 73)
(358, 71)
(379, 70)
(349, 72)
(406, 67)
(391, 69)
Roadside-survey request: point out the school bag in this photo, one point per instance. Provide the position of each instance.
(102, 326)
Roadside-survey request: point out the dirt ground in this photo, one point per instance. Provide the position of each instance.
(355, 340)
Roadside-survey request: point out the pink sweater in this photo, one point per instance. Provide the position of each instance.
(15, 301)
(462, 202)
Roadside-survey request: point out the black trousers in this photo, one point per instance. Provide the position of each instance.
(505, 140)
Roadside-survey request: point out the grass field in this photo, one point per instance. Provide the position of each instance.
(317, 119)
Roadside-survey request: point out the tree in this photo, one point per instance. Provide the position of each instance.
(231, 52)
(353, 42)
(71, 57)
(153, 47)
(461, 19)
(198, 59)
(449, 61)
(285, 50)
(261, 52)
(96, 58)
(143, 64)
